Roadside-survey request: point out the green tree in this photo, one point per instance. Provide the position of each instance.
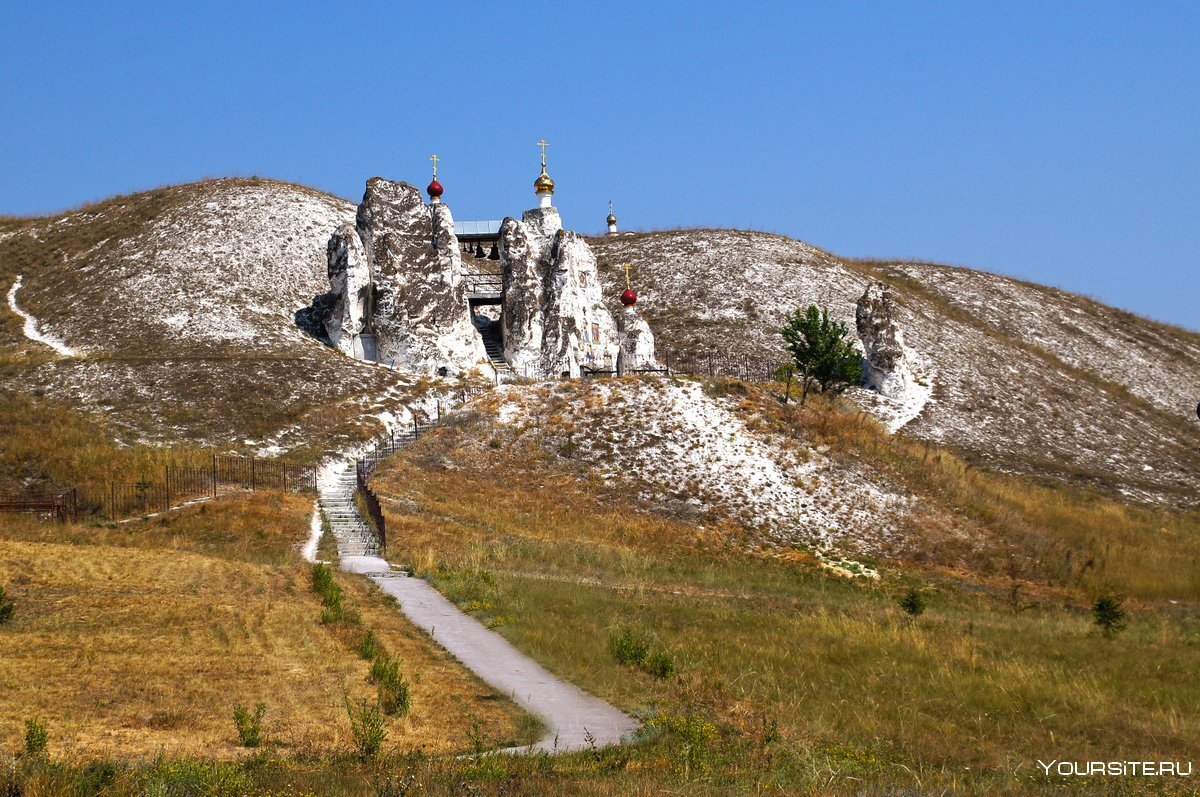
(823, 352)
(1109, 614)
(913, 602)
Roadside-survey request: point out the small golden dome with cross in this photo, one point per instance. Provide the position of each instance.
(543, 183)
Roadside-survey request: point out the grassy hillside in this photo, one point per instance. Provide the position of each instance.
(140, 639)
(812, 681)
(1024, 378)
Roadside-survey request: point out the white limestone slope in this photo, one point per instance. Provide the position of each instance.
(223, 262)
(670, 441)
(31, 329)
(1020, 377)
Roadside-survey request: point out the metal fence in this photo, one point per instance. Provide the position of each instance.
(753, 369)
(364, 466)
(61, 505)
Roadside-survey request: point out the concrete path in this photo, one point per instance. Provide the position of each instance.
(574, 719)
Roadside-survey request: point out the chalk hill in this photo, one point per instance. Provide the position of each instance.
(182, 303)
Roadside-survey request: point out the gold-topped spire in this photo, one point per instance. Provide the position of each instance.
(435, 160)
(543, 184)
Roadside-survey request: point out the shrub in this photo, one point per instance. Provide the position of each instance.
(1109, 614)
(369, 647)
(322, 578)
(913, 602)
(7, 607)
(395, 691)
(689, 734)
(660, 664)
(332, 596)
(249, 724)
(36, 737)
(629, 647)
(366, 726)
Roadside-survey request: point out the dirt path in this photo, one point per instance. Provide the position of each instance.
(574, 719)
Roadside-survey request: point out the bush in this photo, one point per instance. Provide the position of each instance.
(633, 648)
(629, 647)
(395, 691)
(369, 647)
(690, 735)
(1109, 614)
(366, 726)
(913, 602)
(332, 596)
(249, 724)
(37, 738)
(322, 578)
(7, 607)
(660, 664)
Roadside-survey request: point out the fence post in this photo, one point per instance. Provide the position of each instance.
(166, 488)
(253, 485)
(112, 486)
(439, 408)
(414, 424)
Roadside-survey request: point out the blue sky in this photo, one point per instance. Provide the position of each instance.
(1057, 142)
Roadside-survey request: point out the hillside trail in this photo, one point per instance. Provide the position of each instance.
(574, 719)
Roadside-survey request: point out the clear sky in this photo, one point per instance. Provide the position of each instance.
(1057, 142)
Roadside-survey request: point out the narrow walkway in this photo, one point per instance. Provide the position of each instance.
(31, 329)
(574, 719)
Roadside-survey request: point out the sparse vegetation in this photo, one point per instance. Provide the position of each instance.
(366, 727)
(395, 690)
(224, 578)
(37, 737)
(7, 606)
(248, 723)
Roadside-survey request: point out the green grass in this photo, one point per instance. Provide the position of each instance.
(853, 693)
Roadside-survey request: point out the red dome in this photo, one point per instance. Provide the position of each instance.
(434, 190)
(628, 298)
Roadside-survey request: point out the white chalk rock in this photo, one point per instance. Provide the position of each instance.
(888, 368)
(350, 285)
(554, 318)
(637, 341)
(415, 306)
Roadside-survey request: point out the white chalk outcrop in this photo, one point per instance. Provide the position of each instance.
(350, 286)
(554, 320)
(887, 368)
(890, 369)
(636, 341)
(397, 294)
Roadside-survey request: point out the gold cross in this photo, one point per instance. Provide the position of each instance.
(610, 207)
(435, 159)
(543, 144)
(627, 267)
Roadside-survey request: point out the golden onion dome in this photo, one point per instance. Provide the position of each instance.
(543, 183)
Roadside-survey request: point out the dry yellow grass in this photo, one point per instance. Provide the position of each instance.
(145, 647)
